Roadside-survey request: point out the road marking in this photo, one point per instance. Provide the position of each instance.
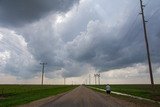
(123, 94)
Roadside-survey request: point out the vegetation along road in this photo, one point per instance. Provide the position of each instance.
(85, 97)
(12, 95)
(66, 96)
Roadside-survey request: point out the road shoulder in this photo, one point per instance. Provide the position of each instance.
(128, 100)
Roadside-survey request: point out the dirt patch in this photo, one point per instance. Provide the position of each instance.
(2, 97)
(156, 98)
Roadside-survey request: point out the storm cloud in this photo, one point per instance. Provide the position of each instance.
(73, 38)
(21, 12)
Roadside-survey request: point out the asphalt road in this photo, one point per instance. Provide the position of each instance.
(84, 97)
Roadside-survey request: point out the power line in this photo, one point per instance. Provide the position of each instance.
(16, 49)
(130, 30)
(97, 76)
(148, 2)
(128, 18)
(95, 79)
(11, 47)
(7, 43)
(43, 71)
(131, 27)
(154, 13)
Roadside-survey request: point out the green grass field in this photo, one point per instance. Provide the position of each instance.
(11, 95)
(145, 91)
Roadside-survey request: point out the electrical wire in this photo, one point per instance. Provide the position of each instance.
(130, 30)
(154, 13)
(17, 50)
(148, 2)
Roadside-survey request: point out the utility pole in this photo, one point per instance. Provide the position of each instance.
(95, 79)
(146, 41)
(98, 75)
(43, 70)
(89, 79)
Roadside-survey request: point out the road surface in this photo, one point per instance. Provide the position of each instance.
(84, 97)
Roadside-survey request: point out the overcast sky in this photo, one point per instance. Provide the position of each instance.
(77, 38)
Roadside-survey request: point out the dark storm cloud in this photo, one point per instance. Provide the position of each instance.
(44, 44)
(105, 45)
(20, 12)
(107, 48)
(92, 35)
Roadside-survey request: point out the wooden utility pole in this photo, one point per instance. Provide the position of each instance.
(89, 79)
(98, 75)
(95, 79)
(146, 41)
(43, 71)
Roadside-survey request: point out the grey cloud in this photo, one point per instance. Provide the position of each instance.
(105, 49)
(97, 10)
(93, 38)
(20, 12)
(74, 69)
(102, 45)
(44, 44)
(20, 62)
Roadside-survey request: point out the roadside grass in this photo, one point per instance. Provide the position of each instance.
(12, 95)
(144, 91)
(141, 103)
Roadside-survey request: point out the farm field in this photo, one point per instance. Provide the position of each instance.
(145, 91)
(11, 95)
